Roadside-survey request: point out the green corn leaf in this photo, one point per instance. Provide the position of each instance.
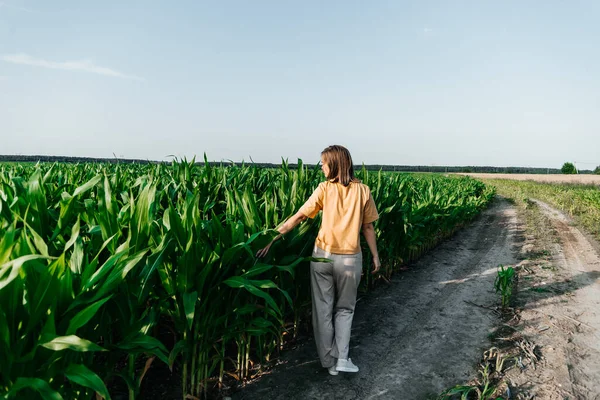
(246, 309)
(104, 270)
(38, 242)
(4, 331)
(87, 186)
(70, 342)
(77, 256)
(74, 234)
(257, 270)
(40, 386)
(320, 259)
(144, 343)
(82, 375)
(153, 263)
(180, 347)
(6, 244)
(240, 282)
(189, 307)
(83, 316)
(118, 274)
(10, 270)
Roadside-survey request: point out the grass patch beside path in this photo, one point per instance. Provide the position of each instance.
(580, 202)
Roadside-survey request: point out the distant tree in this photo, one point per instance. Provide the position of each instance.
(568, 168)
(597, 170)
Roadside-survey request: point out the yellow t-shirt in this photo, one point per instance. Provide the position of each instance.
(345, 210)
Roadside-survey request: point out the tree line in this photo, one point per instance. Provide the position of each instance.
(371, 167)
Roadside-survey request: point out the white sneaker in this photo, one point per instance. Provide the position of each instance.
(346, 366)
(332, 371)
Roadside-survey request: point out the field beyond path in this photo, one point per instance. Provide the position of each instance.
(418, 335)
(585, 179)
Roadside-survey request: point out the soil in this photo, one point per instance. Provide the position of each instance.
(418, 335)
(559, 299)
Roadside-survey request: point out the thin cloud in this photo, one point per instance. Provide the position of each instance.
(82, 65)
(24, 9)
(427, 31)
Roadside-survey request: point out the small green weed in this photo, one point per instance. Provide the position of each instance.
(461, 390)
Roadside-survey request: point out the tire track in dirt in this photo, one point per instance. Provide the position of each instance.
(416, 336)
(579, 266)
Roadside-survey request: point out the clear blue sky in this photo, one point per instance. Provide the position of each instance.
(422, 82)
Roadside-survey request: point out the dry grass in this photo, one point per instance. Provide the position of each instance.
(550, 178)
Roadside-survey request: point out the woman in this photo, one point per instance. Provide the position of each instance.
(348, 208)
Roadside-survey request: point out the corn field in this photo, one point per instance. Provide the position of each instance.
(96, 260)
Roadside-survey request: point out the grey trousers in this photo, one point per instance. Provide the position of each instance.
(333, 288)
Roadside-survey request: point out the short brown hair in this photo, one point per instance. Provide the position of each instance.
(340, 164)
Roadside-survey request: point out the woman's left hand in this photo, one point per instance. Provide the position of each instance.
(376, 265)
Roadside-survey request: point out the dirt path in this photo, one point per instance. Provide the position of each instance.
(416, 336)
(561, 313)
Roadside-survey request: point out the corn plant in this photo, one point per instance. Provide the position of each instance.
(483, 390)
(503, 284)
(460, 390)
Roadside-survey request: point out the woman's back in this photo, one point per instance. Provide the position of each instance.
(345, 210)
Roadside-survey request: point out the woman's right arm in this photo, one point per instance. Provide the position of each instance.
(368, 231)
(290, 224)
(309, 210)
(283, 229)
